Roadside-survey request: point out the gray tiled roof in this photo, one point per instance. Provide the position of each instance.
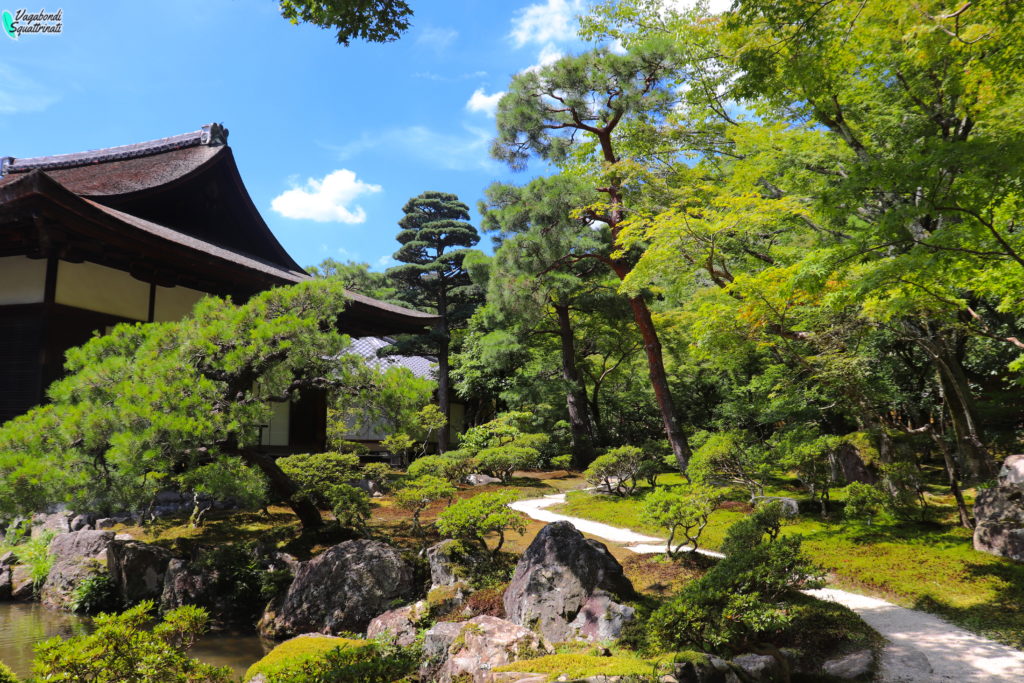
(367, 347)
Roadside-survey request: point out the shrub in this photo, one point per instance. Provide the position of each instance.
(35, 552)
(617, 470)
(733, 457)
(316, 473)
(562, 462)
(6, 675)
(471, 519)
(351, 507)
(378, 473)
(905, 490)
(683, 510)
(502, 461)
(421, 492)
(742, 599)
(94, 594)
(863, 502)
(121, 649)
(453, 466)
(240, 577)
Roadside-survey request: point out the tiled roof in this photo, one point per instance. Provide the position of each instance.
(367, 347)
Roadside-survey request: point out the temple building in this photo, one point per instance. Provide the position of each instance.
(140, 233)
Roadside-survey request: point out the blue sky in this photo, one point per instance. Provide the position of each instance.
(331, 141)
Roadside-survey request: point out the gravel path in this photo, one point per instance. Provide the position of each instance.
(922, 647)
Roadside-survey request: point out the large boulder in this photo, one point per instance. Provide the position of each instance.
(472, 649)
(1012, 471)
(342, 589)
(137, 570)
(999, 521)
(76, 556)
(22, 586)
(443, 570)
(557, 577)
(186, 583)
(6, 583)
(856, 666)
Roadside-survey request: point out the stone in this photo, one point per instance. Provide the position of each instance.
(483, 643)
(186, 584)
(478, 479)
(442, 565)
(903, 663)
(848, 466)
(436, 642)
(999, 521)
(59, 522)
(711, 670)
(22, 586)
(137, 570)
(342, 589)
(790, 506)
(8, 559)
(856, 666)
(401, 624)
(557, 576)
(76, 556)
(601, 619)
(6, 587)
(80, 522)
(1012, 471)
(756, 667)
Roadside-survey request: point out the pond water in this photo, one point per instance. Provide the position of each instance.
(22, 625)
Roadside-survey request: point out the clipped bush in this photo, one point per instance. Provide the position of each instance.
(416, 495)
(617, 470)
(863, 502)
(733, 457)
(744, 599)
(316, 473)
(683, 510)
(453, 466)
(351, 507)
(561, 462)
(472, 519)
(378, 473)
(502, 461)
(123, 648)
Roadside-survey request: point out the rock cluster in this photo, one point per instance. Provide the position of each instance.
(999, 513)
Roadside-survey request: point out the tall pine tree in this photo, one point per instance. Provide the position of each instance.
(435, 238)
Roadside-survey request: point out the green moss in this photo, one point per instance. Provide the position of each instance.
(577, 665)
(293, 653)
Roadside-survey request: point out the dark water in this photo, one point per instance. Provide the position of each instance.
(22, 625)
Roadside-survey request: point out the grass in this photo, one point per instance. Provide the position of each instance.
(579, 665)
(291, 654)
(928, 565)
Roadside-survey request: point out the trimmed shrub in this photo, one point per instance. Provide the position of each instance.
(454, 466)
(471, 519)
(351, 507)
(617, 470)
(502, 461)
(683, 510)
(335, 660)
(316, 473)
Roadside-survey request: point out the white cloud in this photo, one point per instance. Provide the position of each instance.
(386, 261)
(325, 201)
(436, 37)
(547, 55)
(542, 23)
(464, 151)
(19, 93)
(431, 76)
(480, 102)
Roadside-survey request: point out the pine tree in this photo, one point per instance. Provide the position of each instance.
(436, 237)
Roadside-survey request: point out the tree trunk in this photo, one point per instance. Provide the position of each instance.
(443, 434)
(575, 399)
(659, 381)
(975, 459)
(953, 474)
(283, 486)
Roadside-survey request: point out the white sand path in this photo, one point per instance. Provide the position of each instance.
(922, 647)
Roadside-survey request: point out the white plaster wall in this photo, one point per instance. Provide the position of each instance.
(22, 280)
(105, 290)
(174, 303)
(277, 433)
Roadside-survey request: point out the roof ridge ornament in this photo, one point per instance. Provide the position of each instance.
(4, 163)
(214, 134)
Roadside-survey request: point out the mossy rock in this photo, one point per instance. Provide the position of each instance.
(297, 651)
(579, 665)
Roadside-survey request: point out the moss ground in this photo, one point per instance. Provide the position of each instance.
(929, 565)
(292, 653)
